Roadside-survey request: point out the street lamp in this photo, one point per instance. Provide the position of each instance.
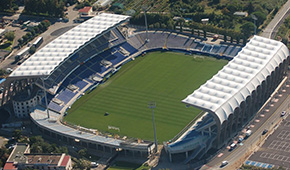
(255, 19)
(152, 105)
(144, 7)
(45, 96)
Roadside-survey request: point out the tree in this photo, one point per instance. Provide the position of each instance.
(32, 50)
(247, 28)
(250, 7)
(35, 139)
(260, 16)
(10, 35)
(17, 134)
(285, 40)
(2, 72)
(53, 8)
(36, 149)
(81, 164)
(83, 152)
(225, 38)
(4, 154)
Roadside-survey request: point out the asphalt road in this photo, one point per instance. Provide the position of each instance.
(272, 28)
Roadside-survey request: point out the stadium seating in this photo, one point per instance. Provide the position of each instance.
(235, 51)
(222, 49)
(129, 48)
(206, 48)
(65, 95)
(156, 39)
(229, 50)
(89, 50)
(137, 44)
(199, 46)
(55, 107)
(176, 41)
(215, 49)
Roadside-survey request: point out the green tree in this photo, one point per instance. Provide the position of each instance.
(17, 134)
(83, 152)
(285, 40)
(32, 50)
(260, 17)
(4, 154)
(10, 35)
(250, 7)
(81, 164)
(36, 149)
(53, 8)
(247, 28)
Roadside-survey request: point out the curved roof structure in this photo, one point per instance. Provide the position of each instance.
(230, 86)
(44, 61)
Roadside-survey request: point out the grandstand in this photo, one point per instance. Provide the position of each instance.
(82, 58)
(232, 97)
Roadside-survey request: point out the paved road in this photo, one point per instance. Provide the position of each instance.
(272, 28)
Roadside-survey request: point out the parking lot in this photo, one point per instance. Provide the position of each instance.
(276, 149)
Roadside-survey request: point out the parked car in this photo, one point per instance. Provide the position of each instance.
(265, 131)
(240, 139)
(283, 113)
(232, 146)
(224, 163)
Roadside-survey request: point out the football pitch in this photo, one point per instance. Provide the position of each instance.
(163, 77)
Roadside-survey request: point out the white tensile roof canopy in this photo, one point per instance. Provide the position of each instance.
(230, 86)
(44, 61)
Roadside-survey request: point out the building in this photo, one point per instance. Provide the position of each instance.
(24, 101)
(240, 13)
(232, 97)
(21, 158)
(86, 11)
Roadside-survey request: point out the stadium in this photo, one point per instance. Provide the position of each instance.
(81, 59)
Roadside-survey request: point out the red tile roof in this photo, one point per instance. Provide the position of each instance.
(65, 160)
(85, 9)
(9, 166)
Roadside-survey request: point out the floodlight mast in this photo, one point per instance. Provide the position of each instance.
(146, 25)
(45, 96)
(152, 105)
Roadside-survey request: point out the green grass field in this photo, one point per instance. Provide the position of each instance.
(163, 77)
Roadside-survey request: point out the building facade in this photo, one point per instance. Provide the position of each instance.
(26, 100)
